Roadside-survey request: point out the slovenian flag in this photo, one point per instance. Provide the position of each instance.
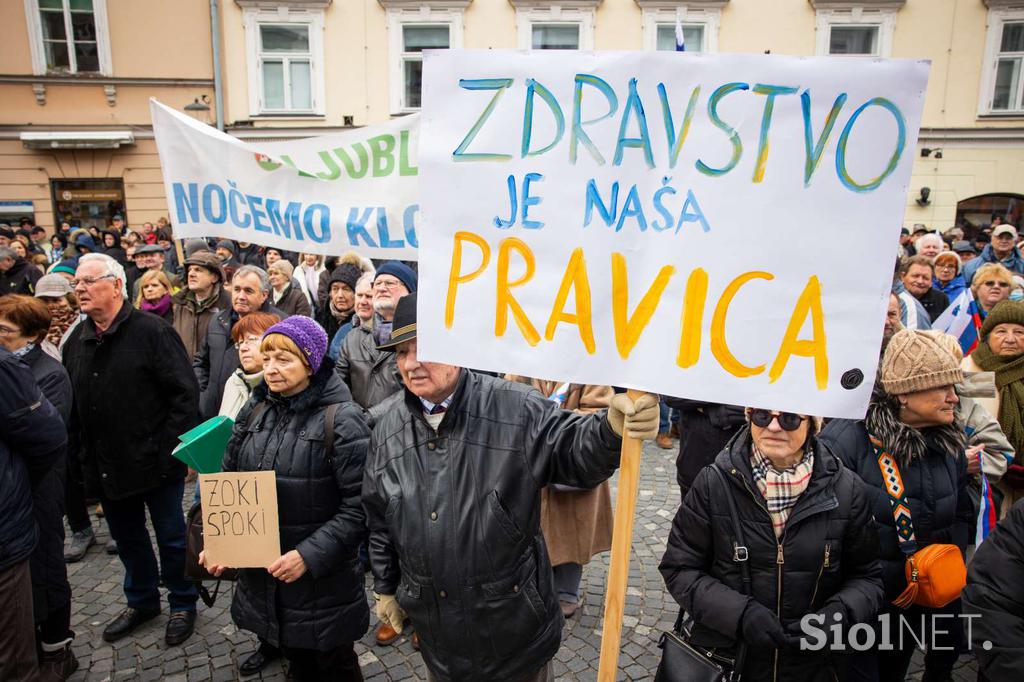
(961, 319)
(560, 394)
(680, 39)
(986, 510)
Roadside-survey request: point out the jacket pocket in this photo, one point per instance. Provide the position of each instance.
(510, 613)
(503, 518)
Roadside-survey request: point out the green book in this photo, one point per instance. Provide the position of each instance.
(202, 448)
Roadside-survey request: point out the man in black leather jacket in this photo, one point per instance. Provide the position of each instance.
(452, 496)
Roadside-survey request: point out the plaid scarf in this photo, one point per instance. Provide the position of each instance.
(781, 489)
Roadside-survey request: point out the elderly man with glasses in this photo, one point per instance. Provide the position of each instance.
(134, 394)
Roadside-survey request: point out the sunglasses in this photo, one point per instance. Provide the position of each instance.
(789, 421)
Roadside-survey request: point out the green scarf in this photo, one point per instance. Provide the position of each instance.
(1010, 384)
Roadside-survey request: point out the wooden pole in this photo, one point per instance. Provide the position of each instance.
(618, 565)
(181, 255)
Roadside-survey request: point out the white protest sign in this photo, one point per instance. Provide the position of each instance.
(718, 227)
(326, 194)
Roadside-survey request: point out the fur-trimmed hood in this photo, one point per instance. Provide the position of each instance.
(905, 442)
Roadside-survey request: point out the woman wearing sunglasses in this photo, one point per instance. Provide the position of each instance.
(809, 543)
(992, 284)
(912, 419)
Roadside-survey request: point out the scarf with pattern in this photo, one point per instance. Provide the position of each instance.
(781, 489)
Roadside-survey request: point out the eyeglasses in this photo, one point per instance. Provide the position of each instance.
(387, 283)
(88, 281)
(945, 266)
(993, 283)
(10, 331)
(248, 341)
(789, 421)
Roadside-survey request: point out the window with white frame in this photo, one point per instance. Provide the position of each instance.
(415, 26)
(856, 32)
(285, 62)
(1003, 84)
(68, 36)
(693, 38)
(565, 26)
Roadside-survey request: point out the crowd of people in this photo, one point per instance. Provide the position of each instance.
(476, 500)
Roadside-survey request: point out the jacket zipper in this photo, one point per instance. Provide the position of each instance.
(780, 560)
(824, 565)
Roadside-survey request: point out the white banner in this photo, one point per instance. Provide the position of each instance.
(325, 194)
(717, 227)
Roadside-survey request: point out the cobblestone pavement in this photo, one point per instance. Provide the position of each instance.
(216, 648)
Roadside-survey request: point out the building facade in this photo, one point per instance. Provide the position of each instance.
(76, 76)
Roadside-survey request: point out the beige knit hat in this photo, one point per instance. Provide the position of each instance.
(916, 361)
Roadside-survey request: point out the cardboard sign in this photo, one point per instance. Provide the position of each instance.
(716, 227)
(240, 527)
(325, 194)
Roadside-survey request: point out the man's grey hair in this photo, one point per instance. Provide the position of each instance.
(366, 277)
(259, 272)
(930, 237)
(112, 268)
(7, 252)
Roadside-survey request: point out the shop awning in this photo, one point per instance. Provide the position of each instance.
(77, 139)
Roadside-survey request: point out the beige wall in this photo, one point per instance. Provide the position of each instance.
(25, 176)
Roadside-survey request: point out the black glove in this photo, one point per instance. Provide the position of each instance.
(760, 628)
(823, 620)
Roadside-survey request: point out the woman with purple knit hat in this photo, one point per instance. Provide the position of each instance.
(310, 603)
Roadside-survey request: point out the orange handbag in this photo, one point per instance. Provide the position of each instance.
(936, 574)
(935, 577)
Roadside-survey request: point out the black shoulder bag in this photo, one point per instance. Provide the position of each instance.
(682, 661)
(196, 572)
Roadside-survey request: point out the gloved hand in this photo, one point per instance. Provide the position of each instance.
(760, 628)
(389, 612)
(636, 420)
(824, 619)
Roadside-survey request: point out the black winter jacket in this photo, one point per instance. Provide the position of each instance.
(217, 358)
(827, 557)
(371, 374)
(320, 514)
(50, 588)
(135, 393)
(454, 520)
(32, 442)
(995, 593)
(21, 278)
(936, 483)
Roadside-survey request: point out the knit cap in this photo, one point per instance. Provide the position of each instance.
(227, 244)
(1004, 312)
(347, 273)
(917, 360)
(284, 267)
(399, 270)
(68, 266)
(306, 334)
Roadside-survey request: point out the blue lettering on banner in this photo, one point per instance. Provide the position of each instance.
(409, 220)
(284, 226)
(324, 234)
(356, 226)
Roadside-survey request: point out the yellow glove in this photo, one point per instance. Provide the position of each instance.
(635, 420)
(389, 612)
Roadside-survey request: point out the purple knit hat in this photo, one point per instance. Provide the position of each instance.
(306, 334)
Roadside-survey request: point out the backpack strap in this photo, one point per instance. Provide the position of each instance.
(897, 493)
(329, 414)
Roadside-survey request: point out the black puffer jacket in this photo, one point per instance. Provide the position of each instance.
(134, 395)
(828, 556)
(455, 520)
(32, 442)
(935, 477)
(217, 358)
(50, 588)
(371, 374)
(995, 594)
(319, 512)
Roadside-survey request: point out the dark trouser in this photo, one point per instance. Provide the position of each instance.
(127, 521)
(17, 630)
(947, 638)
(74, 499)
(337, 665)
(545, 674)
